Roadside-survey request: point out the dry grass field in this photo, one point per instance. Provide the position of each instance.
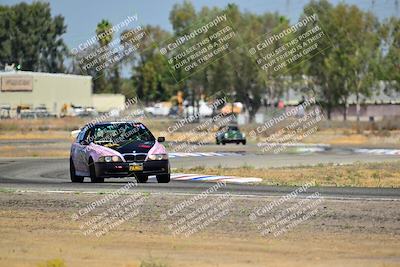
(385, 174)
(36, 230)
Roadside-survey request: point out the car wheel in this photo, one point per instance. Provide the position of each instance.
(74, 178)
(223, 143)
(216, 141)
(140, 178)
(163, 178)
(93, 176)
(244, 142)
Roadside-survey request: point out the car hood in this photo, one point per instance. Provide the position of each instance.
(135, 147)
(234, 133)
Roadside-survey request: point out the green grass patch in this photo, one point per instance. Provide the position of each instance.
(53, 263)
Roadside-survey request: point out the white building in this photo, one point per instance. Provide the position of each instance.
(53, 90)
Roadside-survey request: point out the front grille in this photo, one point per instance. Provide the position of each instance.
(140, 157)
(129, 157)
(135, 157)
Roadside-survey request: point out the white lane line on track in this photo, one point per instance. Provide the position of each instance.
(202, 154)
(378, 151)
(337, 199)
(299, 148)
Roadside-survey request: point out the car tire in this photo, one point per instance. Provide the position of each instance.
(223, 143)
(93, 176)
(217, 142)
(163, 178)
(140, 178)
(74, 178)
(244, 142)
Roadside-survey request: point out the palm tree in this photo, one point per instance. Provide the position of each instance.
(103, 27)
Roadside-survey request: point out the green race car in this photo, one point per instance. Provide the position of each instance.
(230, 134)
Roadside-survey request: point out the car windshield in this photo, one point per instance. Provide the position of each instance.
(233, 128)
(121, 133)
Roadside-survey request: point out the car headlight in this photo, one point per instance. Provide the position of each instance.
(110, 159)
(226, 135)
(158, 157)
(243, 135)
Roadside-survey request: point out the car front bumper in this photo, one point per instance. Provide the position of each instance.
(233, 140)
(121, 169)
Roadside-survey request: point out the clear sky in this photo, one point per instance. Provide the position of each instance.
(82, 16)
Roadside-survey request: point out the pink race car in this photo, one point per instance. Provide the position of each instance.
(118, 149)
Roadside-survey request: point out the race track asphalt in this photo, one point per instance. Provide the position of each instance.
(49, 175)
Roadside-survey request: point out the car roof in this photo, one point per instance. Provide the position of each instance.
(111, 122)
(115, 122)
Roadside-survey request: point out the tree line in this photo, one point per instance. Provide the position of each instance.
(362, 51)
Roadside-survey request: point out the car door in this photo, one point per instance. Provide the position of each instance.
(79, 153)
(86, 149)
(220, 133)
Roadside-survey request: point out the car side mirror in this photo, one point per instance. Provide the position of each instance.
(84, 142)
(161, 139)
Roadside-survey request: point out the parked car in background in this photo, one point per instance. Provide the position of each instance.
(230, 134)
(42, 112)
(204, 110)
(159, 109)
(5, 111)
(78, 111)
(27, 114)
(90, 112)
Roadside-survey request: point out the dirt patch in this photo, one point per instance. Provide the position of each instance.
(36, 227)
